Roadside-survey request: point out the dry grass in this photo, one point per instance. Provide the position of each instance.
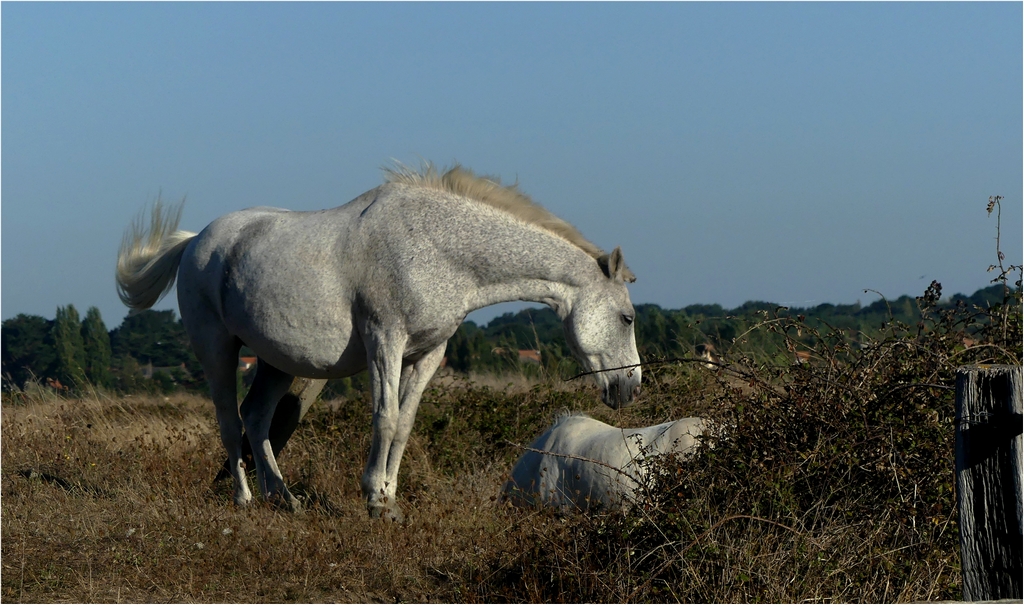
(110, 499)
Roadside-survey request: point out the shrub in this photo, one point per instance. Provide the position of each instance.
(831, 479)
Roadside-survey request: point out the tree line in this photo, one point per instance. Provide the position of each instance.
(150, 351)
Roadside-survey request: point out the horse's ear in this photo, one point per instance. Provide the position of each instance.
(614, 266)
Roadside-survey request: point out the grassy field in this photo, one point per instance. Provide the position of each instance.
(111, 499)
(833, 482)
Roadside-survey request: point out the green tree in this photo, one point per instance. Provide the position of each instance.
(70, 348)
(127, 376)
(27, 348)
(460, 351)
(97, 349)
(155, 337)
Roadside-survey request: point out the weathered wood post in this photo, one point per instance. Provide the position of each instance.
(988, 480)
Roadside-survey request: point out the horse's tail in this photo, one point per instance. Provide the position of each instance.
(147, 262)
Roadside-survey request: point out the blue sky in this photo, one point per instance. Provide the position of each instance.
(796, 153)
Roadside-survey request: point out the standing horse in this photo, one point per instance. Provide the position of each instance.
(380, 283)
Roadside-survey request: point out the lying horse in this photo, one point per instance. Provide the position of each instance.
(380, 283)
(584, 463)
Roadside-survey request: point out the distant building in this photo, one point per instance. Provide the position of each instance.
(525, 355)
(529, 356)
(246, 363)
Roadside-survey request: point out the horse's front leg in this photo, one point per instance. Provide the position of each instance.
(414, 379)
(257, 413)
(388, 381)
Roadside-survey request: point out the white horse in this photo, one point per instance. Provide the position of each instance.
(581, 463)
(379, 283)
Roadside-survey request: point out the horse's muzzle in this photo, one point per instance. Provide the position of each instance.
(618, 395)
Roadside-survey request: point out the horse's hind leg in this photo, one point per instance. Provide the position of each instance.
(295, 403)
(220, 365)
(269, 386)
(291, 409)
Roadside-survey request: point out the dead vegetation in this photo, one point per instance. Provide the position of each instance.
(833, 483)
(111, 499)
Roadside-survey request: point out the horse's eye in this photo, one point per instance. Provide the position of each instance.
(628, 319)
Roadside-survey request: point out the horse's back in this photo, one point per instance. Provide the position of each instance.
(686, 432)
(677, 436)
(300, 288)
(280, 282)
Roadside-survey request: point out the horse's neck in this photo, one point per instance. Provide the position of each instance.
(556, 295)
(531, 266)
(490, 255)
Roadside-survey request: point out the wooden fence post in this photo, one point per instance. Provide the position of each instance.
(988, 480)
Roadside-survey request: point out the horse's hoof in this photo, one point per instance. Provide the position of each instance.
(287, 503)
(388, 513)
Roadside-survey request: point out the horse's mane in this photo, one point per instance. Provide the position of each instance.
(489, 190)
